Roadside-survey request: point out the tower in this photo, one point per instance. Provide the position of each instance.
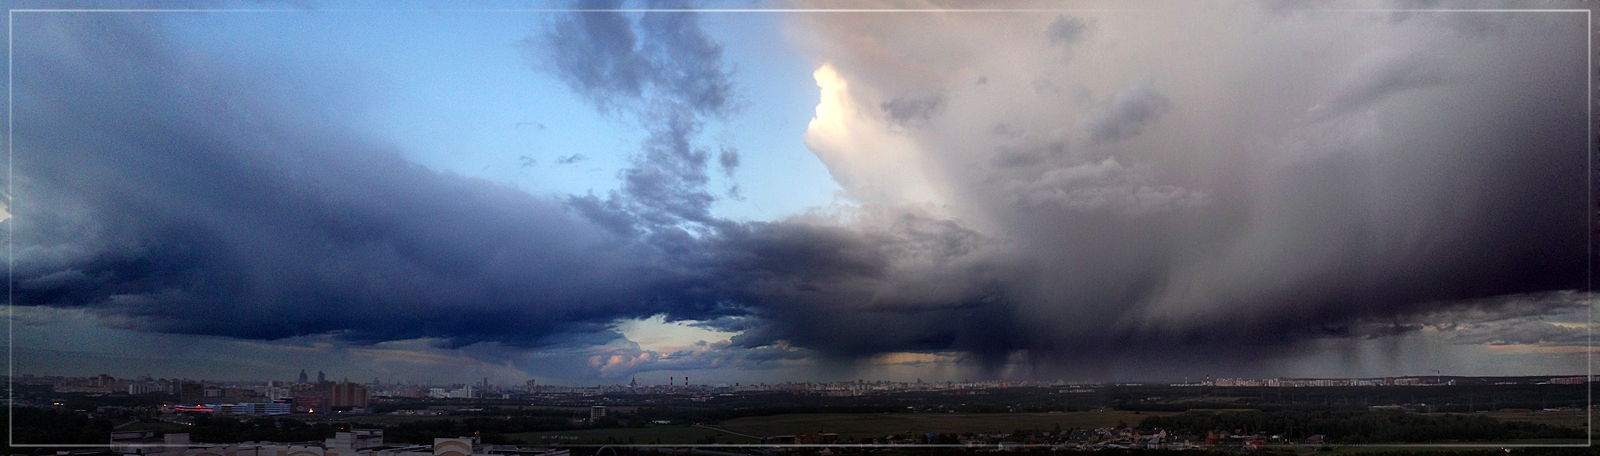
(321, 377)
(303, 378)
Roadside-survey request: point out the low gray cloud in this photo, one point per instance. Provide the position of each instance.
(728, 158)
(1105, 184)
(662, 69)
(597, 54)
(1379, 75)
(1543, 319)
(1127, 113)
(1066, 30)
(911, 111)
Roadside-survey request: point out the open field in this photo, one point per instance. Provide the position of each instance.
(162, 427)
(1430, 448)
(386, 420)
(848, 426)
(878, 425)
(645, 435)
(1570, 418)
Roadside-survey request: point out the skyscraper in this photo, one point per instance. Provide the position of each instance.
(303, 378)
(321, 377)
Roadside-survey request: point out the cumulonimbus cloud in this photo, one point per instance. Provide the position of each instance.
(1196, 205)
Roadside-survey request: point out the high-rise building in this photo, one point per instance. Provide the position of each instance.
(303, 378)
(192, 393)
(349, 395)
(321, 377)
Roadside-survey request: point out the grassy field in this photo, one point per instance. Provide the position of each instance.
(878, 425)
(373, 419)
(848, 426)
(1572, 419)
(646, 435)
(158, 427)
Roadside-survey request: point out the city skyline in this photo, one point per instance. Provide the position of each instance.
(604, 191)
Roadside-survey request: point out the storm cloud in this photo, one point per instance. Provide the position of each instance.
(1286, 186)
(1252, 183)
(178, 197)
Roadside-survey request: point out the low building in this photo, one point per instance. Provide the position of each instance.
(146, 442)
(274, 408)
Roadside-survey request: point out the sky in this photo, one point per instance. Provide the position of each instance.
(740, 192)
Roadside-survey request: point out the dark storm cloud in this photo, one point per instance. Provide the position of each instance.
(185, 200)
(918, 283)
(1499, 320)
(169, 191)
(201, 207)
(791, 281)
(1218, 211)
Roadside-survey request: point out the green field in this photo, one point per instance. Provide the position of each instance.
(645, 435)
(848, 426)
(162, 427)
(878, 425)
(1571, 418)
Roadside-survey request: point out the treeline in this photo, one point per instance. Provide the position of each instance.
(510, 421)
(228, 429)
(32, 425)
(724, 414)
(1445, 399)
(1356, 427)
(491, 429)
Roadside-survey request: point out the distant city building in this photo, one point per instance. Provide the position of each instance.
(303, 378)
(349, 395)
(191, 393)
(597, 411)
(357, 442)
(310, 404)
(260, 408)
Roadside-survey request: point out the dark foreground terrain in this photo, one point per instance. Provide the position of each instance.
(1455, 419)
